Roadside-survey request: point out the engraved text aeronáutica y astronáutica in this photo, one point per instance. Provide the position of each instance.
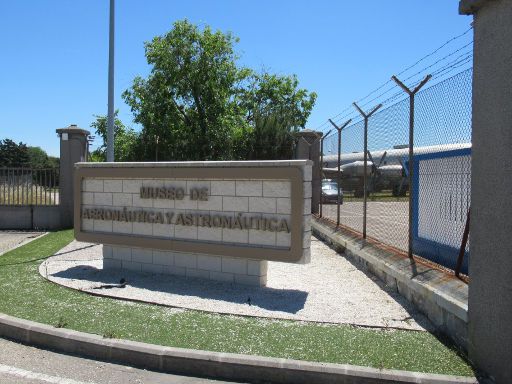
(238, 221)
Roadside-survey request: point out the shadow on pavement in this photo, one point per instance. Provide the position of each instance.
(271, 299)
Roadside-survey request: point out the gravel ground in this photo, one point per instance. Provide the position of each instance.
(329, 289)
(13, 239)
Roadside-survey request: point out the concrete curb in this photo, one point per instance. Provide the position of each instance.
(228, 366)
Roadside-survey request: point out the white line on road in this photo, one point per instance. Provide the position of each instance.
(18, 372)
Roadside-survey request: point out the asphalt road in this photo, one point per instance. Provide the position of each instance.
(386, 221)
(21, 364)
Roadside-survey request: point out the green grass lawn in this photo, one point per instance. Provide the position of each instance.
(26, 294)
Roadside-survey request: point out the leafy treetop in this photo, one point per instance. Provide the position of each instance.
(21, 155)
(197, 103)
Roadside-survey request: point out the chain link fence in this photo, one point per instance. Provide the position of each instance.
(438, 188)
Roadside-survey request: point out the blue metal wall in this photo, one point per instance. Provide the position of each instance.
(441, 197)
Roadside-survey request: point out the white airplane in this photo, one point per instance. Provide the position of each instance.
(385, 169)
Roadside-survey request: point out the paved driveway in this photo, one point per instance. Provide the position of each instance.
(386, 221)
(13, 239)
(21, 364)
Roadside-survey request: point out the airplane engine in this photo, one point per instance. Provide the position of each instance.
(391, 172)
(356, 169)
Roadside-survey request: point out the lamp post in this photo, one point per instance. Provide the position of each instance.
(110, 118)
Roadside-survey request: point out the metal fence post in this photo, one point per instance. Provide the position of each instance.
(322, 167)
(365, 178)
(321, 172)
(338, 178)
(411, 94)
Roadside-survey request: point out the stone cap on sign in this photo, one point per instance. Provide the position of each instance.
(166, 164)
(470, 7)
(73, 129)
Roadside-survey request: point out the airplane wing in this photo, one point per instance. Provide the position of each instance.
(331, 173)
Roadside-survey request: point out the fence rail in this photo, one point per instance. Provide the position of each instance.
(29, 186)
(412, 197)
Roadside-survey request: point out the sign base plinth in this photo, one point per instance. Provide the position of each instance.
(210, 267)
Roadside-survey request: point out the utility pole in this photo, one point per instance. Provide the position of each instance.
(110, 118)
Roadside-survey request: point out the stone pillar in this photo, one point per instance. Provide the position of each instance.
(310, 150)
(73, 149)
(490, 264)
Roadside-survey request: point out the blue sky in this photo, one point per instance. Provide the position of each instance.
(54, 57)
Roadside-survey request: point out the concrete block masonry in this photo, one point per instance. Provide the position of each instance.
(253, 272)
(214, 220)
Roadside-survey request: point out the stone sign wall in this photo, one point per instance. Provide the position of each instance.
(216, 220)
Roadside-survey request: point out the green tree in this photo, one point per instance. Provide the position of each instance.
(198, 104)
(125, 140)
(38, 158)
(190, 101)
(53, 162)
(270, 138)
(271, 94)
(277, 109)
(13, 155)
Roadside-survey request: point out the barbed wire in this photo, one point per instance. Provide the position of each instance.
(344, 116)
(446, 79)
(437, 50)
(440, 73)
(438, 61)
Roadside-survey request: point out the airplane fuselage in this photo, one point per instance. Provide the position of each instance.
(384, 170)
(393, 156)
